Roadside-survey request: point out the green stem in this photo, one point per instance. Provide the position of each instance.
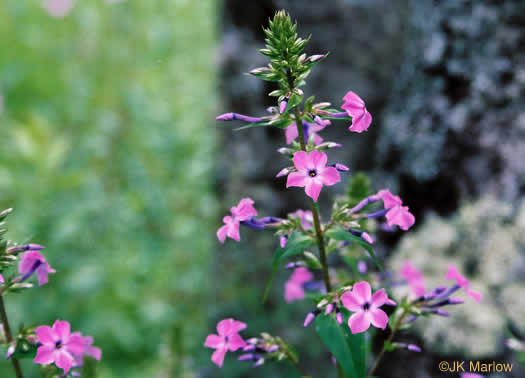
(315, 212)
(9, 336)
(388, 341)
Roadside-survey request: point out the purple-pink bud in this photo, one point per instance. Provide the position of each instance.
(283, 105)
(367, 238)
(259, 362)
(246, 357)
(390, 302)
(413, 348)
(10, 350)
(225, 117)
(341, 167)
(315, 58)
(329, 308)
(249, 348)
(309, 319)
(273, 348)
(339, 317)
(361, 267)
(455, 301)
(284, 172)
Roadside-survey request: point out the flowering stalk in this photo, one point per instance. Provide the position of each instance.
(9, 336)
(315, 213)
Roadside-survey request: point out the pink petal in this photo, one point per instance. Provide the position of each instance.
(221, 233)
(351, 302)
(291, 133)
(362, 291)
(45, 355)
(94, 352)
(46, 335)
(313, 188)
(453, 274)
(235, 342)
(63, 360)
(244, 209)
(317, 139)
(296, 179)
(213, 341)
(330, 176)
(224, 327)
(317, 159)
(352, 102)
(389, 200)
(379, 298)
(361, 123)
(474, 294)
(237, 326)
(400, 216)
(300, 160)
(41, 273)
(359, 322)
(301, 275)
(218, 356)
(76, 344)
(233, 231)
(62, 329)
(2, 280)
(378, 318)
(293, 291)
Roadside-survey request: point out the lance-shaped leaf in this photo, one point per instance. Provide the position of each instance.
(349, 350)
(297, 243)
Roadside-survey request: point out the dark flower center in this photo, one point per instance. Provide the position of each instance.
(366, 306)
(58, 344)
(312, 173)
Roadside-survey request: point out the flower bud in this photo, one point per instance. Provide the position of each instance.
(413, 348)
(329, 308)
(285, 151)
(283, 105)
(10, 351)
(338, 316)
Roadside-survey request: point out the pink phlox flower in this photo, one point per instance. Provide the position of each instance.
(243, 211)
(397, 213)
(58, 8)
(366, 307)
(355, 107)
(453, 274)
(33, 262)
(293, 288)
(291, 132)
(414, 278)
(228, 339)
(59, 345)
(312, 173)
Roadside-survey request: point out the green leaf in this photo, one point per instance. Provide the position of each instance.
(297, 243)
(349, 350)
(294, 100)
(339, 233)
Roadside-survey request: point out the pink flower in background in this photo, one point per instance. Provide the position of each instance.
(414, 278)
(306, 218)
(89, 349)
(243, 211)
(397, 214)
(453, 274)
(59, 345)
(365, 307)
(31, 262)
(312, 173)
(293, 288)
(471, 375)
(58, 8)
(2, 280)
(355, 107)
(228, 339)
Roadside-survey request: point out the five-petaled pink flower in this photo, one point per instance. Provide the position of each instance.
(228, 339)
(365, 307)
(312, 173)
(355, 107)
(453, 274)
(414, 278)
(59, 345)
(243, 211)
(397, 214)
(293, 288)
(31, 262)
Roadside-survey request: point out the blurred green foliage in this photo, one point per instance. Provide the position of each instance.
(105, 155)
